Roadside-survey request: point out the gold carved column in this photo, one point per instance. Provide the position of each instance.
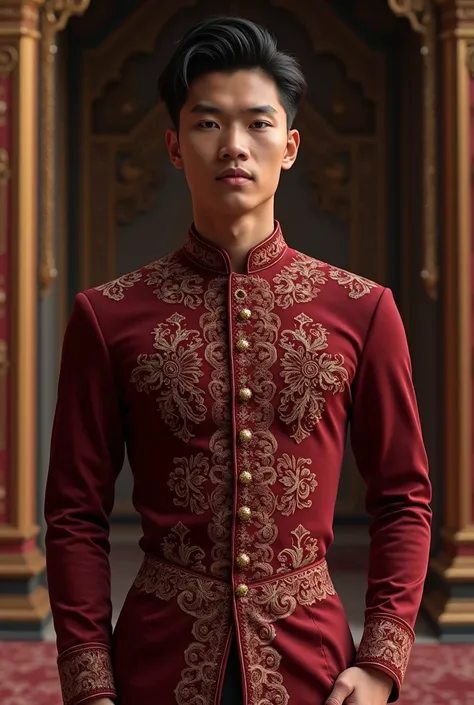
(446, 29)
(23, 600)
(450, 593)
(27, 32)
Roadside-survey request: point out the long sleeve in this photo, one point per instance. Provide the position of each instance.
(87, 451)
(389, 450)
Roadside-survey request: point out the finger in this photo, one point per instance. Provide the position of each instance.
(340, 692)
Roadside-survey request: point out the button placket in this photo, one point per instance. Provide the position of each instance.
(243, 395)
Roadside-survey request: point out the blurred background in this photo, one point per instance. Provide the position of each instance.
(383, 187)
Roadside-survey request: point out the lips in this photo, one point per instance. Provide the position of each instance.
(235, 176)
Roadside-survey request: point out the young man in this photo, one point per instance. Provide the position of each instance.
(231, 370)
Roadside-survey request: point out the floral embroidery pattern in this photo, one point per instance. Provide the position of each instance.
(177, 549)
(206, 255)
(255, 367)
(85, 671)
(358, 286)
(186, 481)
(266, 604)
(308, 373)
(388, 641)
(303, 552)
(213, 324)
(174, 371)
(268, 252)
(210, 604)
(115, 289)
(174, 283)
(299, 482)
(298, 282)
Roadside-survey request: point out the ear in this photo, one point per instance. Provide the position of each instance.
(291, 151)
(174, 151)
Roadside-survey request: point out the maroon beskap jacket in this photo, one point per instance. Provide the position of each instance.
(233, 395)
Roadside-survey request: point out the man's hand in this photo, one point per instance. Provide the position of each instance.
(361, 686)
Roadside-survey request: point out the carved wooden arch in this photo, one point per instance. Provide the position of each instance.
(114, 189)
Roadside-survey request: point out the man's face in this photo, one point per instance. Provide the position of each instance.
(233, 142)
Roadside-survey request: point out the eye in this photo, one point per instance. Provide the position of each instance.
(260, 124)
(207, 124)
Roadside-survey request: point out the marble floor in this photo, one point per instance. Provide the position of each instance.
(347, 562)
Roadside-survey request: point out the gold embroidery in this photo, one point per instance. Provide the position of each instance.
(388, 641)
(86, 671)
(213, 324)
(204, 254)
(266, 604)
(267, 252)
(115, 289)
(308, 373)
(174, 371)
(299, 483)
(210, 257)
(257, 536)
(298, 282)
(303, 553)
(177, 549)
(358, 286)
(210, 604)
(186, 481)
(174, 283)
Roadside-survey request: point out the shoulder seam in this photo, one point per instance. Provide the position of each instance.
(92, 309)
(371, 322)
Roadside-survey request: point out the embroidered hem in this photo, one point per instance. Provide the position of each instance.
(85, 672)
(386, 644)
(265, 605)
(208, 602)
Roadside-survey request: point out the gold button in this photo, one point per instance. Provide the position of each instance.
(243, 560)
(245, 314)
(245, 435)
(245, 513)
(245, 477)
(242, 590)
(242, 344)
(245, 394)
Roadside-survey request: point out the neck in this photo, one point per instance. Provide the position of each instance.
(236, 235)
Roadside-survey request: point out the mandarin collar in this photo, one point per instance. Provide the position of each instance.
(216, 259)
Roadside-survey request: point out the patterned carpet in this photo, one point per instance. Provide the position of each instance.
(438, 675)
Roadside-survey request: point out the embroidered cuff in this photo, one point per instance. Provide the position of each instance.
(386, 644)
(86, 672)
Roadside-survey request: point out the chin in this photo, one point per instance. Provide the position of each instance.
(237, 204)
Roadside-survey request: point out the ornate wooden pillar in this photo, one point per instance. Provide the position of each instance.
(26, 26)
(23, 598)
(449, 598)
(450, 593)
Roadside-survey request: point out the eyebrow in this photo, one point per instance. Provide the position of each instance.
(213, 110)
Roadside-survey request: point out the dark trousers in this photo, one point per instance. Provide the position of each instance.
(232, 689)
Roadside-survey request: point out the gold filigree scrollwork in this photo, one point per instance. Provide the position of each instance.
(8, 59)
(59, 12)
(56, 14)
(4, 178)
(421, 15)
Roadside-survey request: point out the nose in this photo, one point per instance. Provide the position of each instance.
(233, 146)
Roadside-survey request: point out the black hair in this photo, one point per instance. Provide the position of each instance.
(229, 44)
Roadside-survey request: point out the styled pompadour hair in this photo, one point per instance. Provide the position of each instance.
(229, 44)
